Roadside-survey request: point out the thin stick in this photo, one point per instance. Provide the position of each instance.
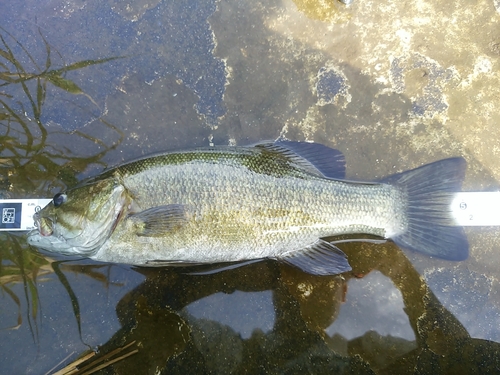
(72, 366)
(89, 367)
(109, 355)
(100, 367)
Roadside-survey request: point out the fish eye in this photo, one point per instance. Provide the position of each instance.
(59, 199)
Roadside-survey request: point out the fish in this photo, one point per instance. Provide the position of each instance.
(275, 200)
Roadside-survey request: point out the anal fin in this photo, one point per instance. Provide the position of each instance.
(320, 258)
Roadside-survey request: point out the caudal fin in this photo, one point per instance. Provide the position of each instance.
(429, 193)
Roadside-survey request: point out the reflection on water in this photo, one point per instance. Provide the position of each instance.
(369, 310)
(241, 311)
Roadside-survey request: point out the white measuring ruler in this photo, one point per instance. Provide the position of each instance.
(476, 209)
(17, 214)
(468, 209)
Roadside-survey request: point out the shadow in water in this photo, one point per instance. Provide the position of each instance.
(163, 332)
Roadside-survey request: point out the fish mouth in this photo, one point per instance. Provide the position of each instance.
(44, 224)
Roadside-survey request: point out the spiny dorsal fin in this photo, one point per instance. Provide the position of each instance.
(312, 157)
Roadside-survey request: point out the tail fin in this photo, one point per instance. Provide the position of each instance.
(430, 226)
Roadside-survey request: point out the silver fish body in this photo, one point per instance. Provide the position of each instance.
(234, 204)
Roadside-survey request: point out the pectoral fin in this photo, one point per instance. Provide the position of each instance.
(159, 221)
(321, 258)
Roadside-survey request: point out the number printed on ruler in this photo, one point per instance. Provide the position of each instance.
(476, 208)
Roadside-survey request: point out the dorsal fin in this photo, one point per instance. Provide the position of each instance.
(313, 157)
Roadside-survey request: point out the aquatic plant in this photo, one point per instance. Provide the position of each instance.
(30, 164)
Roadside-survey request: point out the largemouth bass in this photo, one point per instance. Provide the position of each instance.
(231, 204)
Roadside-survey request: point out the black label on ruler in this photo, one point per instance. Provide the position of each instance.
(10, 215)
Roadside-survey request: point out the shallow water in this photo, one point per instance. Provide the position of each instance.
(392, 85)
